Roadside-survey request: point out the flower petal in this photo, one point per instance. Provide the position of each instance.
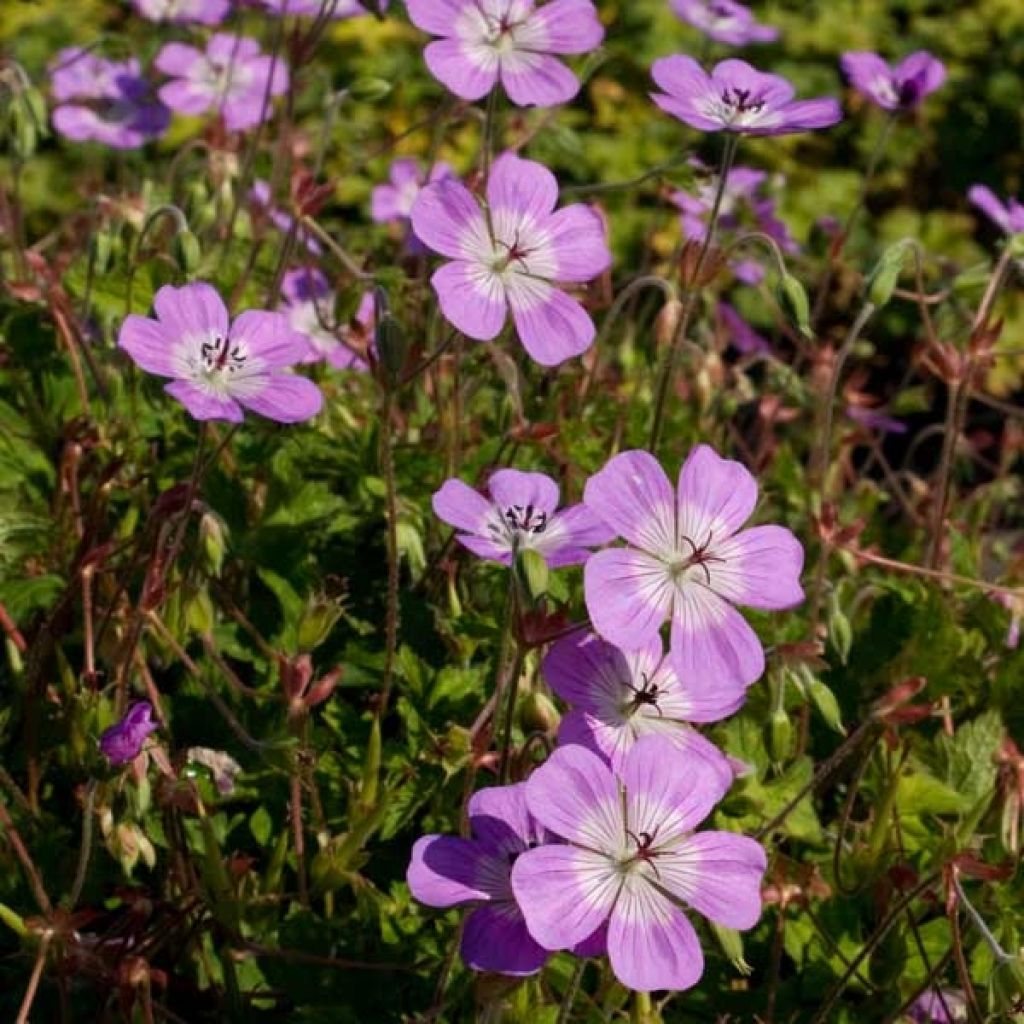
(500, 820)
(629, 595)
(437, 17)
(681, 77)
(985, 200)
(537, 79)
(588, 672)
(193, 310)
(269, 339)
(577, 239)
(447, 217)
(284, 397)
(495, 938)
(203, 404)
(471, 298)
(524, 188)
(458, 505)
(562, 26)
(511, 487)
(552, 326)
(470, 71)
(178, 59)
(147, 342)
(443, 871)
(759, 567)
(716, 496)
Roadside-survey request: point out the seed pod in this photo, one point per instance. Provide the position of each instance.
(779, 736)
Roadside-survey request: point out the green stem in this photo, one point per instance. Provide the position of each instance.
(569, 1000)
(643, 1010)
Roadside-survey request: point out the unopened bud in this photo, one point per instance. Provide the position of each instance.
(667, 322)
(213, 532)
(779, 736)
(537, 713)
(793, 297)
(369, 89)
(187, 253)
(319, 618)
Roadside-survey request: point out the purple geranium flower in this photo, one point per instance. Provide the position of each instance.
(736, 98)
(511, 255)
(393, 203)
(202, 12)
(522, 514)
(725, 21)
(1008, 217)
(104, 101)
(309, 307)
(446, 871)
(323, 8)
(618, 697)
(746, 340)
(901, 87)
(218, 368)
(632, 858)
(689, 561)
(931, 1008)
(260, 197)
(232, 77)
(483, 41)
(123, 741)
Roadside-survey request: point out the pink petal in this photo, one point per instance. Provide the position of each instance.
(585, 670)
(269, 339)
(447, 217)
(443, 871)
(578, 244)
(565, 894)
(985, 200)
(483, 547)
(719, 874)
(500, 820)
(759, 567)
(192, 310)
(537, 80)
(286, 398)
(202, 404)
(716, 496)
(437, 17)
(510, 487)
(225, 46)
(552, 326)
(633, 495)
(458, 505)
(495, 938)
(563, 26)
(629, 596)
(384, 204)
(177, 59)
(681, 77)
(468, 71)
(471, 299)
(687, 111)
(525, 188)
(147, 342)
(581, 528)
(651, 943)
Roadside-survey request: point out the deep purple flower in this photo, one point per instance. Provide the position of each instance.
(260, 197)
(746, 340)
(511, 256)
(123, 741)
(1008, 217)
(618, 697)
(446, 871)
(483, 41)
(725, 21)
(901, 87)
(875, 420)
(323, 8)
(689, 561)
(931, 1008)
(232, 77)
(104, 101)
(736, 98)
(218, 368)
(631, 858)
(521, 514)
(309, 307)
(202, 12)
(393, 203)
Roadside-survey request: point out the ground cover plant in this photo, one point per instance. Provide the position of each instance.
(510, 511)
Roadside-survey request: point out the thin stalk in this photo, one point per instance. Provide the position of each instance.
(510, 712)
(692, 293)
(565, 1013)
(33, 981)
(387, 463)
(487, 141)
(643, 1010)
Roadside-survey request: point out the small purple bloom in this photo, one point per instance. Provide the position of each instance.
(104, 101)
(511, 256)
(932, 1008)
(1008, 217)
(618, 697)
(746, 340)
(393, 203)
(521, 514)
(324, 8)
(689, 560)
(309, 307)
(901, 87)
(736, 98)
(446, 871)
(218, 368)
(260, 197)
(1015, 606)
(123, 742)
(875, 420)
(201, 12)
(725, 21)
(484, 41)
(232, 77)
(631, 858)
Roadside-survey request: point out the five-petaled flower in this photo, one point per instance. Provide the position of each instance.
(325, 8)
(618, 697)
(901, 87)
(104, 101)
(393, 202)
(631, 858)
(218, 368)
(736, 97)
(201, 12)
(509, 256)
(689, 560)
(309, 306)
(1008, 216)
(446, 871)
(484, 41)
(725, 21)
(522, 514)
(231, 77)
(123, 741)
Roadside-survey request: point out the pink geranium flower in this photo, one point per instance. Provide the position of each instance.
(309, 306)
(901, 87)
(322, 8)
(725, 21)
(202, 12)
(1008, 216)
(632, 859)
(392, 203)
(689, 561)
(484, 41)
(218, 368)
(510, 255)
(521, 514)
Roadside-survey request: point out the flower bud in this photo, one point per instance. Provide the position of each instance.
(213, 533)
(793, 298)
(537, 713)
(667, 322)
(319, 618)
(369, 89)
(886, 275)
(779, 736)
(187, 253)
(391, 345)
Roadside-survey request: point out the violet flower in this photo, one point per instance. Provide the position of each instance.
(104, 101)
(309, 307)
(231, 77)
(123, 741)
(510, 257)
(902, 87)
(738, 98)
(875, 420)
(447, 871)
(323, 8)
(220, 368)
(520, 514)
(1008, 217)
(745, 339)
(725, 21)
(484, 41)
(260, 197)
(393, 203)
(178, 12)
(631, 858)
(931, 1008)
(689, 561)
(618, 697)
